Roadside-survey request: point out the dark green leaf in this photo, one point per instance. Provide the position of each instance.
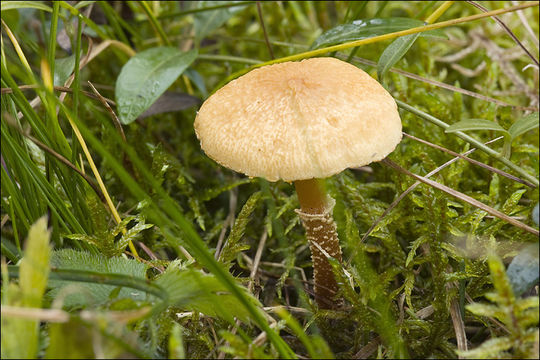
(207, 21)
(89, 293)
(523, 270)
(475, 124)
(362, 29)
(393, 53)
(523, 125)
(146, 76)
(201, 292)
(170, 102)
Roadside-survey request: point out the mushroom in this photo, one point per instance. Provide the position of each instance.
(302, 122)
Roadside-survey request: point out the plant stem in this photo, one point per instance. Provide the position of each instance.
(374, 39)
(316, 215)
(494, 154)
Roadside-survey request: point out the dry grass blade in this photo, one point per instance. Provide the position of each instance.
(257, 260)
(412, 187)
(459, 326)
(441, 84)
(261, 19)
(463, 197)
(507, 29)
(116, 121)
(56, 88)
(472, 161)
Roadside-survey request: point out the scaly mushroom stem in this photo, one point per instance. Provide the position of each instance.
(316, 215)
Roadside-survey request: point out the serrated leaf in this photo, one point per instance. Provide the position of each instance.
(207, 21)
(523, 125)
(414, 246)
(409, 286)
(131, 234)
(146, 76)
(393, 53)
(486, 310)
(192, 289)
(489, 349)
(62, 69)
(89, 293)
(365, 28)
(234, 245)
(475, 124)
(500, 280)
(523, 270)
(209, 194)
(510, 203)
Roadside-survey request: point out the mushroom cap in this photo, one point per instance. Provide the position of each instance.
(299, 120)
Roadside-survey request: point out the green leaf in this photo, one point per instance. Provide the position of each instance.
(523, 270)
(523, 125)
(414, 246)
(70, 340)
(146, 76)
(234, 245)
(89, 293)
(34, 270)
(489, 349)
(317, 349)
(20, 336)
(500, 280)
(481, 309)
(394, 52)
(365, 28)
(8, 5)
(211, 193)
(195, 290)
(62, 69)
(475, 124)
(176, 343)
(207, 21)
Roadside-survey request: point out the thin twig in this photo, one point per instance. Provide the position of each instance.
(259, 11)
(115, 119)
(472, 161)
(257, 260)
(470, 140)
(441, 84)
(56, 88)
(463, 197)
(229, 221)
(530, 31)
(374, 39)
(507, 29)
(411, 188)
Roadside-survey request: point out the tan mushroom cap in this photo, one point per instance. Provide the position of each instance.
(299, 120)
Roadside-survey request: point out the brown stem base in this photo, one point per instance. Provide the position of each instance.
(321, 232)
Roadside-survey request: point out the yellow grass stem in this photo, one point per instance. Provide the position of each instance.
(17, 47)
(98, 178)
(389, 36)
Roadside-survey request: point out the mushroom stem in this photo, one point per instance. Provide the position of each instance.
(316, 215)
